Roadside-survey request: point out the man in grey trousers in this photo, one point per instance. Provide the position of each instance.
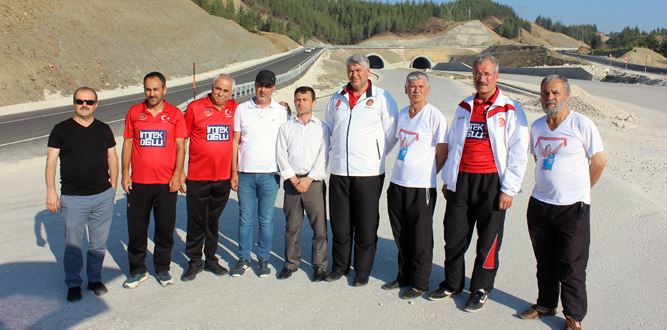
(301, 154)
(88, 175)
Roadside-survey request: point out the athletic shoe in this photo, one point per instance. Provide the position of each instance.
(335, 275)
(476, 301)
(441, 293)
(74, 294)
(391, 285)
(412, 293)
(264, 269)
(134, 280)
(535, 311)
(98, 288)
(239, 269)
(164, 278)
(215, 268)
(194, 268)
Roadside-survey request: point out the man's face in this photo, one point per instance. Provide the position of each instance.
(84, 110)
(221, 91)
(357, 75)
(154, 91)
(485, 77)
(304, 103)
(417, 90)
(263, 93)
(553, 97)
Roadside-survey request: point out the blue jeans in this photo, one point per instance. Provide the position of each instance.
(95, 213)
(257, 197)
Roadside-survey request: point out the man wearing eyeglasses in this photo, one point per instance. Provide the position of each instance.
(88, 176)
(154, 148)
(487, 156)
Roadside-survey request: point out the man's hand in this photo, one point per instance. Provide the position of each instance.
(504, 201)
(304, 184)
(175, 182)
(234, 181)
(52, 201)
(444, 191)
(181, 185)
(126, 182)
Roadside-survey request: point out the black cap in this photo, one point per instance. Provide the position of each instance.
(265, 78)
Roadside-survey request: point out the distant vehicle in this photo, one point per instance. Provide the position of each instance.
(308, 50)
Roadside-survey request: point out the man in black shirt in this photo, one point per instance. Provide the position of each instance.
(88, 176)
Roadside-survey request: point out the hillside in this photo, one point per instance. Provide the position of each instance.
(520, 56)
(646, 56)
(541, 36)
(55, 46)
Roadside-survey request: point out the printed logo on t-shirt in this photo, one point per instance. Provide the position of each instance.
(548, 148)
(369, 102)
(217, 133)
(153, 138)
(477, 131)
(208, 112)
(164, 117)
(406, 139)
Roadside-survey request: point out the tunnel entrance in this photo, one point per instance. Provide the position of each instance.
(376, 62)
(421, 63)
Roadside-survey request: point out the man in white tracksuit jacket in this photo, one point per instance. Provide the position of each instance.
(488, 144)
(360, 118)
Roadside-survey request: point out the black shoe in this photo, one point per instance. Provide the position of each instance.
(215, 268)
(335, 275)
(319, 275)
(264, 269)
(285, 273)
(194, 268)
(239, 269)
(476, 301)
(391, 285)
(98, 288)
(442, 293)
(74, 294)
(360, 280)
(412, 293)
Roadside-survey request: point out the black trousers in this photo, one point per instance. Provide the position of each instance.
(561, 236)
(140, 201)
(411, 216)
(475, 202)
(354, 216)
(205, 200)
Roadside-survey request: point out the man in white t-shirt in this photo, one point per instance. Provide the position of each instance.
(255, 171)
(421, 131)
(570, 158)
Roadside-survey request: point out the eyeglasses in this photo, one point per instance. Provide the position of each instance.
(87, 102)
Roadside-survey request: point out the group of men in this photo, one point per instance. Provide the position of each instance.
(250, 147)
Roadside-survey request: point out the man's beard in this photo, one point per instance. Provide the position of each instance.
(555, 111)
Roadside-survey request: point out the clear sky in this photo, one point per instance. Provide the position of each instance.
(609, 16)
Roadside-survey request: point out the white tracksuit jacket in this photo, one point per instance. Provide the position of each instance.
(508, 132)
(361, 138)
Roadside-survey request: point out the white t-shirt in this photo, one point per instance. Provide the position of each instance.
(561, 172)
(418, 137)
(259, 131)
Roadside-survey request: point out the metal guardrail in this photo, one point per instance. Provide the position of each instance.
(246, 90)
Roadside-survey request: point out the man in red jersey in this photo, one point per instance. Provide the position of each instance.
(487, 156)
(154, 148)
(210, 124)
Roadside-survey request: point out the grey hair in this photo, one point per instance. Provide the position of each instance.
(358, 59)
(224, 76)
(487, 57)
(552, 77)
(416, 75)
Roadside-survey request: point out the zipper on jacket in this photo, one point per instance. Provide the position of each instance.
(347, 144)
(377, 145)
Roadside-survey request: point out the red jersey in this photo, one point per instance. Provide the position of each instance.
(154, 142)
(477, 155)
(211, 134)
(353, 99)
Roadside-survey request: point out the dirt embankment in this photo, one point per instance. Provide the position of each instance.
(517, 56)
(52, 47)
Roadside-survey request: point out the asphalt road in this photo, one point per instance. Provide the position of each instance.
(24, 129)
(605, 60)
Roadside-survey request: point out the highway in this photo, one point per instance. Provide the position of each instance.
(24, 129)
(605, 60)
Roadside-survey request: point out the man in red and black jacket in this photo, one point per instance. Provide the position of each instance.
(210, 124)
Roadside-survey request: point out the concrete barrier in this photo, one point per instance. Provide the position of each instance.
(568, 72)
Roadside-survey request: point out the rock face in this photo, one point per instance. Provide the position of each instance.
(50, 47)
(520, 56)
(463, 34)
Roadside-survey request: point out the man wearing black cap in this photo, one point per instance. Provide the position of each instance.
(254, 170)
